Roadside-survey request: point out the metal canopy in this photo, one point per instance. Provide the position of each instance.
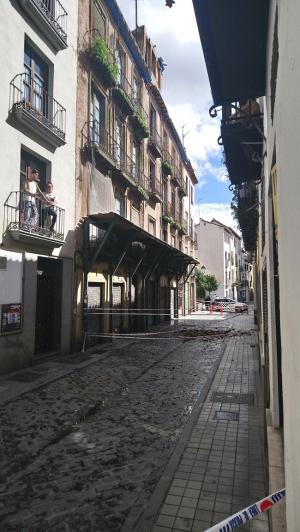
(234, 37)
(116, 244)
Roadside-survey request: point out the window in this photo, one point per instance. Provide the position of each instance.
(121, 61)
(173, 240)
(165, 191)
(135, 215)
(119, 141)
(28, 163)
(151, 226)
(165, 140)
(97, 117)
(35, 85)
(192, 195)
(98, 18)
(165, 235)
(136, 90)
(120, 205)
(152, 119)
(152, 172)
(135, 161)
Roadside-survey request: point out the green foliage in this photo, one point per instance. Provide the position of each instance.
(101, 52)
(168, 219)
(205, 283)
(181, 193)
(142, 191)
(245, 211)
(167, 167)
(142, 129)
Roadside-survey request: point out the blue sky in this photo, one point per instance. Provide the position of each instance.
(186, 91)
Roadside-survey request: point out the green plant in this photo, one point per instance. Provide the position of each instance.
(167, 167)
(141, 127)
(168, 219)
(142, 191)
(205, 283)
(182, 193)
(101, 52)
(123, 95)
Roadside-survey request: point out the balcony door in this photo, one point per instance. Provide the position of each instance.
(135, 161)
(28, 163)
(97, 118)
(119, 142)
(120, 60)
(35, 82)
(152, 121)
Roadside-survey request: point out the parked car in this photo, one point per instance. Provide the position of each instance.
(228, 304)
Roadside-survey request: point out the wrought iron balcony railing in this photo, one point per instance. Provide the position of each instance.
(27, 216)
(37, 108)
(51, 18)
(156, 186)
(155, 142)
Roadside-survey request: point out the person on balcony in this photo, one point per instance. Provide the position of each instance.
(31, 192)
(49, 208)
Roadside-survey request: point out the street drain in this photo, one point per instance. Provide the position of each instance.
(25, 376)
(235, 398)
(222, 415)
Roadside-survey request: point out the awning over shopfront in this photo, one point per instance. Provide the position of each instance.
(234, 35)
(111, 238)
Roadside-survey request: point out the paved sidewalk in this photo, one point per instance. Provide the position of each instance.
(222, 466)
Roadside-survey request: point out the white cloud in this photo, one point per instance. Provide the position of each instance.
(220, 211)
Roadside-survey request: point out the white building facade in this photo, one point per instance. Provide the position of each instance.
(219, 252)
(37, 120)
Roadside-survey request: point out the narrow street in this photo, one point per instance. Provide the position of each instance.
(87, 450)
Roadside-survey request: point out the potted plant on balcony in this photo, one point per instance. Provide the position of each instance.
(143, 193)
(123, 99)
(103, 59)
(167, 168)
(141, 129)
(181, 193)
(168, 219)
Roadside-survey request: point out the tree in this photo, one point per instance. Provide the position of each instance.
(211, 283)
(205, 283)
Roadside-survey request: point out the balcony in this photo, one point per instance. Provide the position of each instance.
(35, 111)
(139, 120)
(234, 42)
(176, 177)
(102, 59)
(51, 19)
(31, 225)
(123, 96)
(99, 141)
(135, 176)
(156, 190)
(167, 164)
(242, 138)
(155, 143)
(183, 228)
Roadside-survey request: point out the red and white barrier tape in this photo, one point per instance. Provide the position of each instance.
(249, 513)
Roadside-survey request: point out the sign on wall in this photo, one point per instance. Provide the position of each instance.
(11, 318)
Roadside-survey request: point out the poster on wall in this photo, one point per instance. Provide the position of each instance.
(11, 318)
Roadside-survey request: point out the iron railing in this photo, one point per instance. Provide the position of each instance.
(55, 13)
(155, 138)
(124, 84)
(96, 136)
(139, 110)
(156, 186)
(167, 157)
(29, 96)
(32, 215)
(236, 111)
(167, 208)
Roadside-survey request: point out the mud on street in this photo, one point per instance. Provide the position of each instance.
(82, 452)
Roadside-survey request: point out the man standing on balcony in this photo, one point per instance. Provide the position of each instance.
(31, 191)
(49, 210)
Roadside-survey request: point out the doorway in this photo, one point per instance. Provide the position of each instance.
(48, 305)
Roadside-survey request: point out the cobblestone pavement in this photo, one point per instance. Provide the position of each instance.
(82, 452)
(221, 469)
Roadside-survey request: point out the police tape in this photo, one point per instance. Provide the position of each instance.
(249, 513)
